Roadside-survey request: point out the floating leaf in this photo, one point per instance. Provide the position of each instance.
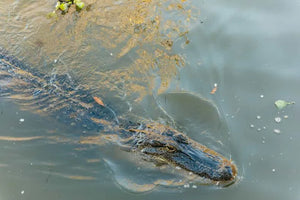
(80, 5)
(98, 101)
(280, 104)
(63, 6)
(57, 5)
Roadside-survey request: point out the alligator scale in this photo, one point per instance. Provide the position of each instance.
(72, 103)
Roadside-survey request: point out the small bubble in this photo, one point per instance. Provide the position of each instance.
(273, 170)
(177, 167)
(264, 128)
(190, 173)
(277, 119)
(285, 116)
(262, 96)
(111, 54)
(259, 129)
(55, 61)
(215, 85)
(22, 192)
(21, 120)
(251, 126)
(186, 186)
(277, 131)
(258, 117)
(263, 142)
(194, 186)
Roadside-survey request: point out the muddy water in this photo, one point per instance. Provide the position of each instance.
(160, 61)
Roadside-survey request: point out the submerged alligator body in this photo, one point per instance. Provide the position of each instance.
(59, 96)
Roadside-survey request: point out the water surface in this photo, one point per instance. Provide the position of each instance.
(249, 49)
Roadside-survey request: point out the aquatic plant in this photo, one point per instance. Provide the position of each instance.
(64, 5)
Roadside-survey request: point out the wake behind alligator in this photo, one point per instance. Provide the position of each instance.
(62, 98)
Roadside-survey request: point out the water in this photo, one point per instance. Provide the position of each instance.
(250, 49)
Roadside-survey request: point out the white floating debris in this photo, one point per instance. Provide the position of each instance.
(177, 167)
(21, 120)
(190, 173)
(273, 170)
(258, 117)
(22, 192)
(262, 96)
(194, 186)
(215, 85)
(111, 54)
(277, 119)
(251, 126)
(277, 131)
(259, 129)
(285, 116)
(186, 185)
(264, 128)
(263, 142)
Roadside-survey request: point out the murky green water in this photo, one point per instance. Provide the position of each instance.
(249, 49)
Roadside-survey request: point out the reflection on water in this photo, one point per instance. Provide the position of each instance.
(131, 53)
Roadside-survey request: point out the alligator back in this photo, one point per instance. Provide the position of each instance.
(55, 95)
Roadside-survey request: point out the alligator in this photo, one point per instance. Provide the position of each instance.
(64, 99)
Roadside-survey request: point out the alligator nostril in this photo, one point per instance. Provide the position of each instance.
(227, 173)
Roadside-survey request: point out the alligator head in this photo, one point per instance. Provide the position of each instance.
(167, 145)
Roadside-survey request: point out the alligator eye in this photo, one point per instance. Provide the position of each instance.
(156, 143)
(171, 148)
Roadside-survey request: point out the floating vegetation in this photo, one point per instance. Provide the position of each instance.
(280, 104)
(64, 5)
